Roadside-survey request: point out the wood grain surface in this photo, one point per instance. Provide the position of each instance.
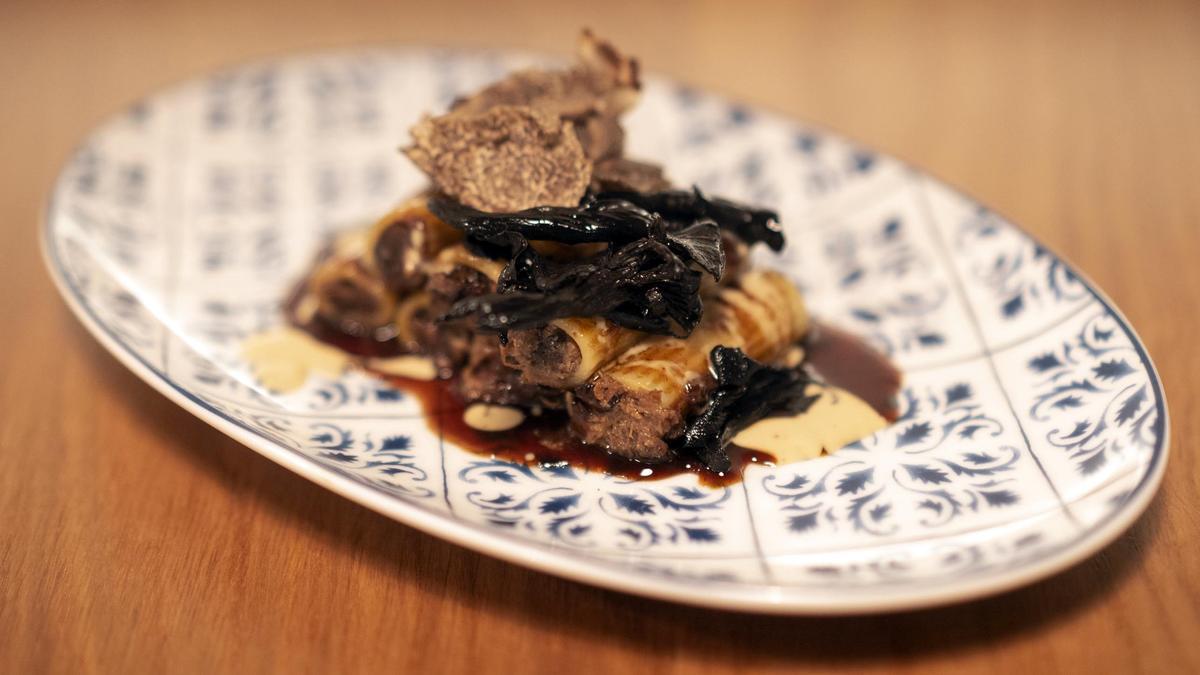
(134, 538)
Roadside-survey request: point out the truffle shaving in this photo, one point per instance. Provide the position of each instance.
(591, 95)
(505, 159)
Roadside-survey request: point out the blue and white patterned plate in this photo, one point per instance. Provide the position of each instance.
(1033, 430)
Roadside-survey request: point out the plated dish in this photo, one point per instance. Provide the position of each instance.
(1031, 427)
(576, 306)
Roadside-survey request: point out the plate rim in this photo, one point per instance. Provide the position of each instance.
(744, 597)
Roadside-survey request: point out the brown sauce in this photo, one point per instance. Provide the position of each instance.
(846, 361)
(366, 347)
(543, 440)
(839, 357)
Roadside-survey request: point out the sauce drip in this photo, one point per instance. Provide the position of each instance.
(840, 358)
(543, 440)
(847, 362)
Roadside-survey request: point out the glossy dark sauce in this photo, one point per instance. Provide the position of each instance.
(365, 347)
(838, 357)
(846, 361)
(543, 440)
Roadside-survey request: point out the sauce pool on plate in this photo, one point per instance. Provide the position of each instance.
(858, 398)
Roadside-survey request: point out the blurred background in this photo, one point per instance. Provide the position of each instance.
(1039, 109)
(1078, 120)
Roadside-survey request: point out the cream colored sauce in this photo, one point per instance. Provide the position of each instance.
(283, 358)
(484, 417)
(412, 367)
(834, 420)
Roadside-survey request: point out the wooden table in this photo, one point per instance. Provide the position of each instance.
(133, 537)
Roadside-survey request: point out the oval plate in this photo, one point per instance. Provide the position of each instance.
(1033, 428)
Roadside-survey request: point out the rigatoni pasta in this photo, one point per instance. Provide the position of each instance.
(639, 402)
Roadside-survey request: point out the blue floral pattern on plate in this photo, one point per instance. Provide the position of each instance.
(1033, 423)
(552, 498)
